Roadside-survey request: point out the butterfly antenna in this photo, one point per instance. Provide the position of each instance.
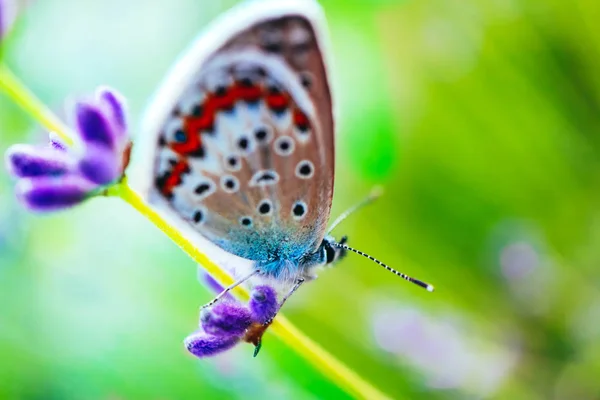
(376, 192)
(424, 285)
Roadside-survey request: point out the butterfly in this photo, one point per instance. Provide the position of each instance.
(240, 143)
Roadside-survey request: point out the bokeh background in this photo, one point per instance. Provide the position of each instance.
(480, 118)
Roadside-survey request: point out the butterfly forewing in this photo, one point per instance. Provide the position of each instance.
(245, 152)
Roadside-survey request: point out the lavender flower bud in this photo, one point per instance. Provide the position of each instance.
(28, 161)
(52, 193)
(225, 319)
(93, 126)
(202, 345)
(115, 105)
(263, 304)
(100, 165)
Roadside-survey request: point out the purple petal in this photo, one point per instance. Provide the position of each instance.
(28, 161)
(52, 193)
(93, 126)
(100, 165)
(202, 345)
(116, 104)
(8, 11)
(225, 319)
(263, 304)
(56, 141)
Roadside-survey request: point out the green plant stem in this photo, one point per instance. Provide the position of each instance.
(339, 373)
(282, 327)
(19, 93)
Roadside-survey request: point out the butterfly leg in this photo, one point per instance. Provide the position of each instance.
(297, 284)
(230, 287)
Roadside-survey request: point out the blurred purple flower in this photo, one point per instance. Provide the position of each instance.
(518, 260)
(55, 177)
(228, 322)
(444, 350)
(8, 12)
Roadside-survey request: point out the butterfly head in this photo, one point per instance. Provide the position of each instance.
(331, 251)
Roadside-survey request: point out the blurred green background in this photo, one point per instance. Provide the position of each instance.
(480, 118)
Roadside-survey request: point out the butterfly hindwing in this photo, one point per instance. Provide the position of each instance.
(244, 153)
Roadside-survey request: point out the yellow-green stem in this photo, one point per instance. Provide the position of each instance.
(343, 376)
(329, 365)
(12, 86)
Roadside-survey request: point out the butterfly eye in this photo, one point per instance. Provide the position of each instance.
(330, 253)
(283, 146)
(305, 169)
(230, 184)
(299, 210)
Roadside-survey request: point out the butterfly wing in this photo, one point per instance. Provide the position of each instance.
(240, 137)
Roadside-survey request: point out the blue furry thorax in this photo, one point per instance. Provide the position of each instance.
(282, 255)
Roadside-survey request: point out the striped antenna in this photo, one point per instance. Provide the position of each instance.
(392, 270)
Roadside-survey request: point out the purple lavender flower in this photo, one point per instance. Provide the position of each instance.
(228, 322)
(263, 304)
(202, 344)
(26, 161)
(56, 176)
(226, 318)
(56, 142)
(100, 165)
(50, 193)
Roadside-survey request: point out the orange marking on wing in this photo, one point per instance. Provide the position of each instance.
(300, 119)
(278, 101)
(174, 178)
(248, 93)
